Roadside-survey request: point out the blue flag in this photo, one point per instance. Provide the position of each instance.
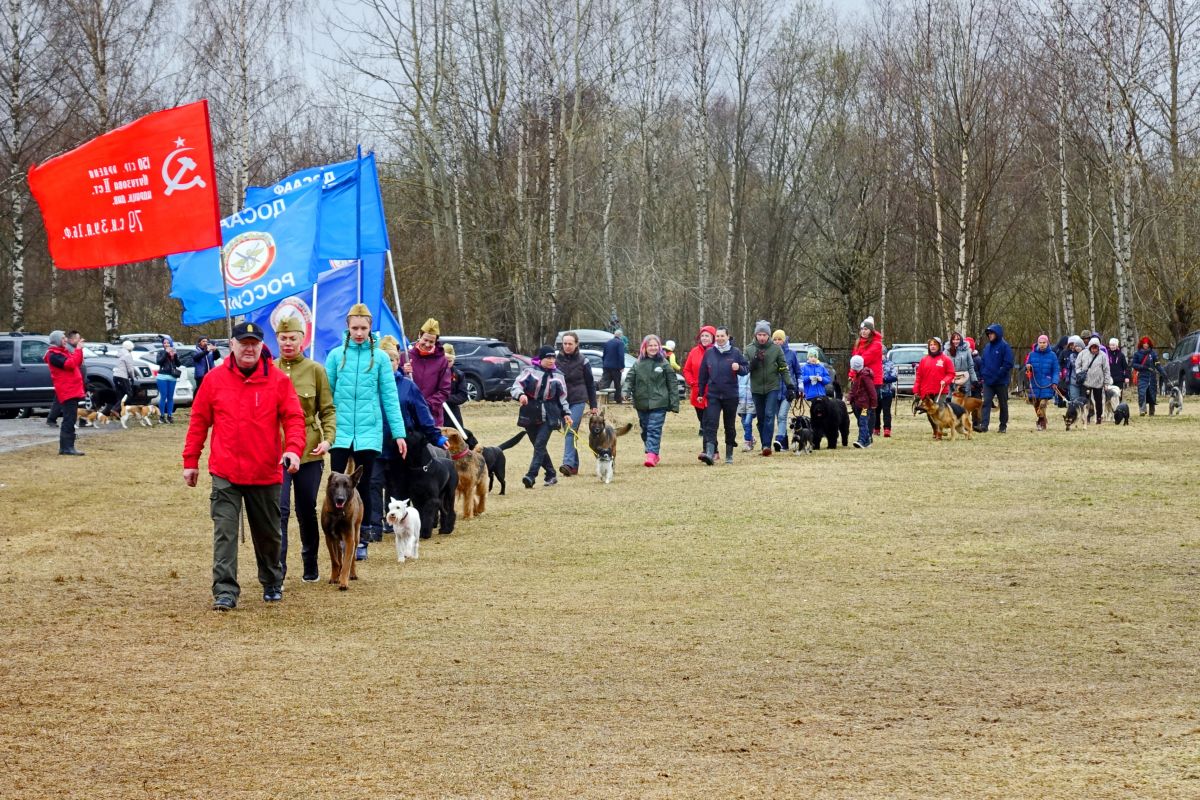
(323, 308)
(267, 255)
(344, 185)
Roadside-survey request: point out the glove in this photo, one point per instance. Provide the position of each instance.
(441, 442)
(760, 355)
(701, 403)
(791, 393)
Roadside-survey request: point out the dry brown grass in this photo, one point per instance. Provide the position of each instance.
(1014, 617)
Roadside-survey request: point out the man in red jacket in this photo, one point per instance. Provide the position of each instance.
(65, 358)
(246, 401)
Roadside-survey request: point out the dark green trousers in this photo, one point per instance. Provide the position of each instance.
(262, 517)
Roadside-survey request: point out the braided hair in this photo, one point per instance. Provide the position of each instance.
(346, 348)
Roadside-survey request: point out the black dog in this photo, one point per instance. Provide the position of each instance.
(496, 462)
(802, 434)
(1121, 414)
(829, 417)
(428, 481)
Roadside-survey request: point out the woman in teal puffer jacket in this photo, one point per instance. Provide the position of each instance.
(364, 391)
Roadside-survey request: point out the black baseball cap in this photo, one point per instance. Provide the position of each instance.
(247, 330)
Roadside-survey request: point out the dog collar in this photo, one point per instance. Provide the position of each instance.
(459, 455)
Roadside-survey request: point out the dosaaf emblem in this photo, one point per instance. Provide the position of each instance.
(295, 307)
(248, 256)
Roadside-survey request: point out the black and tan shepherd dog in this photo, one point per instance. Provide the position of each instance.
(602, 440)
(945, 415)
(829, 418)
(341, 517)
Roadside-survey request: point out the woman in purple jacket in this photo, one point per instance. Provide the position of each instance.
(429, 369)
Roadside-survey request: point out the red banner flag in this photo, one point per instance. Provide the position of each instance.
(142, 191)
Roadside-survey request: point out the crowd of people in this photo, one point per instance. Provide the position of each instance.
(270, 421)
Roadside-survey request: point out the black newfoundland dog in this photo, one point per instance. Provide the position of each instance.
(427, 480)
(829, 416)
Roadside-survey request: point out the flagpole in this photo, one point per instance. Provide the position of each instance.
(396, 298)
(312, 346)
(358, 215)
(220, 237)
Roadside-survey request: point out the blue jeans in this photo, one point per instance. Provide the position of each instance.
(166, 396)
(864, 425)
(766, 406)
(652, 425)
(781, 419)
(748, 427)
(570, 451)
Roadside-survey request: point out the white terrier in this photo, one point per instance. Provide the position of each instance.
(406, 523)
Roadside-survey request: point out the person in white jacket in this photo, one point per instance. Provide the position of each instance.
(1092, 370)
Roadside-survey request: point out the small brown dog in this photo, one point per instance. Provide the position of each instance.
(946, 417)
(341, 518)
(472, 474)
(973, 405)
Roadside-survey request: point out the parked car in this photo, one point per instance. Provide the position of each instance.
(487, 364)
(595, 360)
(589, 338)
(25, 376)
(185, 386)
(1182, 363)
(906, 358)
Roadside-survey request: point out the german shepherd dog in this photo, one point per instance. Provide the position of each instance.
(946, 416)
(802, 434)
(471, 469)
(1076, 415)
(973, 405)
(602, 439)
(341, 517)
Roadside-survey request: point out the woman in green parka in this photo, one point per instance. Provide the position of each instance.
(650, 384)
(364, 390)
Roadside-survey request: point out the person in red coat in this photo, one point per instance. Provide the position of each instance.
(65, 358)
(935, 375)
(247, 402)
(870, 347)
(691, 371)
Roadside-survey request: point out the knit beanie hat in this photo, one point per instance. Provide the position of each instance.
(545, 351)
(856, 363)
(814, 352)
(868, 323)
(1043, 339)
(779, 334)
(56, 338)
(762, 326)
(431, 326)
(128, 345)
(358, 310)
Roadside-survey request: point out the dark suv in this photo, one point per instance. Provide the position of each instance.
(1182, 364)
(487, 364)
(25, 376)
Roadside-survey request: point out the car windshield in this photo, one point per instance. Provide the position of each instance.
(906, 356)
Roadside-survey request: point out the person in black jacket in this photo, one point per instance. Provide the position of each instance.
(458, 395)
(717, 387)
(581, 390)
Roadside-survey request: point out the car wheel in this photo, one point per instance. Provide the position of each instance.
(474, 389)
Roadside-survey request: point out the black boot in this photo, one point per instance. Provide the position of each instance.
(710, 454)
(729, 454)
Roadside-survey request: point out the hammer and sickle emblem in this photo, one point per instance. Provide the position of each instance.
(175, 183)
